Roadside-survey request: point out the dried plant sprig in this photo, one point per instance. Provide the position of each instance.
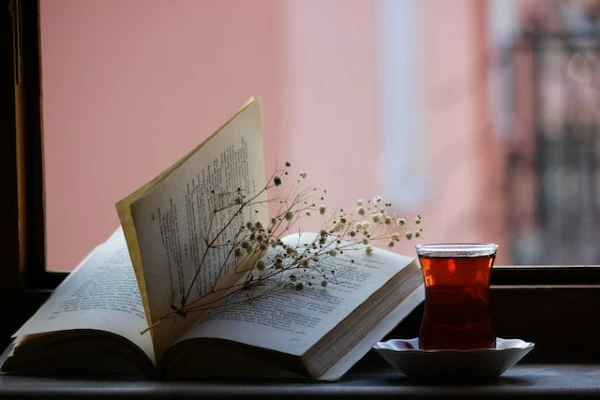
(260, 256)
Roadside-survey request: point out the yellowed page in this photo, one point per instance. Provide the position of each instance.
(100, 294)
(166, 220)
(124, 211)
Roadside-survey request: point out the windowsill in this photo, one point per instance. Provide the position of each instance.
(526, 380)
(560, 319)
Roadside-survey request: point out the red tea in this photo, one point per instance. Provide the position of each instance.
(456, 303)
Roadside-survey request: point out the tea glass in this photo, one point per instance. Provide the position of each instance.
(457, 278)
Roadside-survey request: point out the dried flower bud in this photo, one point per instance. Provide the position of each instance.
(360, 210)
(277, 180)
(289, 215)
(337, 227)
(324, 283)
(375, 218)
(288, 164)
(322, 209)
(369, 250)
(260, 265)
(409, 235)
(391, 243)
(303, 175)
(359, 202)
(401, 222)
(299, 286)
(395, 236)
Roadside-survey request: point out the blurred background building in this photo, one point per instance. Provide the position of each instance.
(480, 115)
(554, 148)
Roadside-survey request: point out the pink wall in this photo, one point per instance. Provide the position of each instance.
(459, 157)
(129, 87)
(330, 99)
(451, 155)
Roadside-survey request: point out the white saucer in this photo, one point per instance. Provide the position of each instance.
(405, 355)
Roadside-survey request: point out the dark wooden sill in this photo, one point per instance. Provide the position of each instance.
(557, 381)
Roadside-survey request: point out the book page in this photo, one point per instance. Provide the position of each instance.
(100, 294)
(175, 224)
(292, 321)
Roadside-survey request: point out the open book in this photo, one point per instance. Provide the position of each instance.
(94, 319)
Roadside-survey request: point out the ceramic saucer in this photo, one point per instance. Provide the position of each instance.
(405, 355)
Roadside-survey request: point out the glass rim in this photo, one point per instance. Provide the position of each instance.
(457, 249)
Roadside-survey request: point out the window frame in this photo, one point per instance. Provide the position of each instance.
(26, 178)
(24, 281)
(571, 291)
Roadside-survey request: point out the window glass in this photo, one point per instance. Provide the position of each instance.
(479, 116)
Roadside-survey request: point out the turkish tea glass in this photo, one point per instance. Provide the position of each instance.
(457, 278)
